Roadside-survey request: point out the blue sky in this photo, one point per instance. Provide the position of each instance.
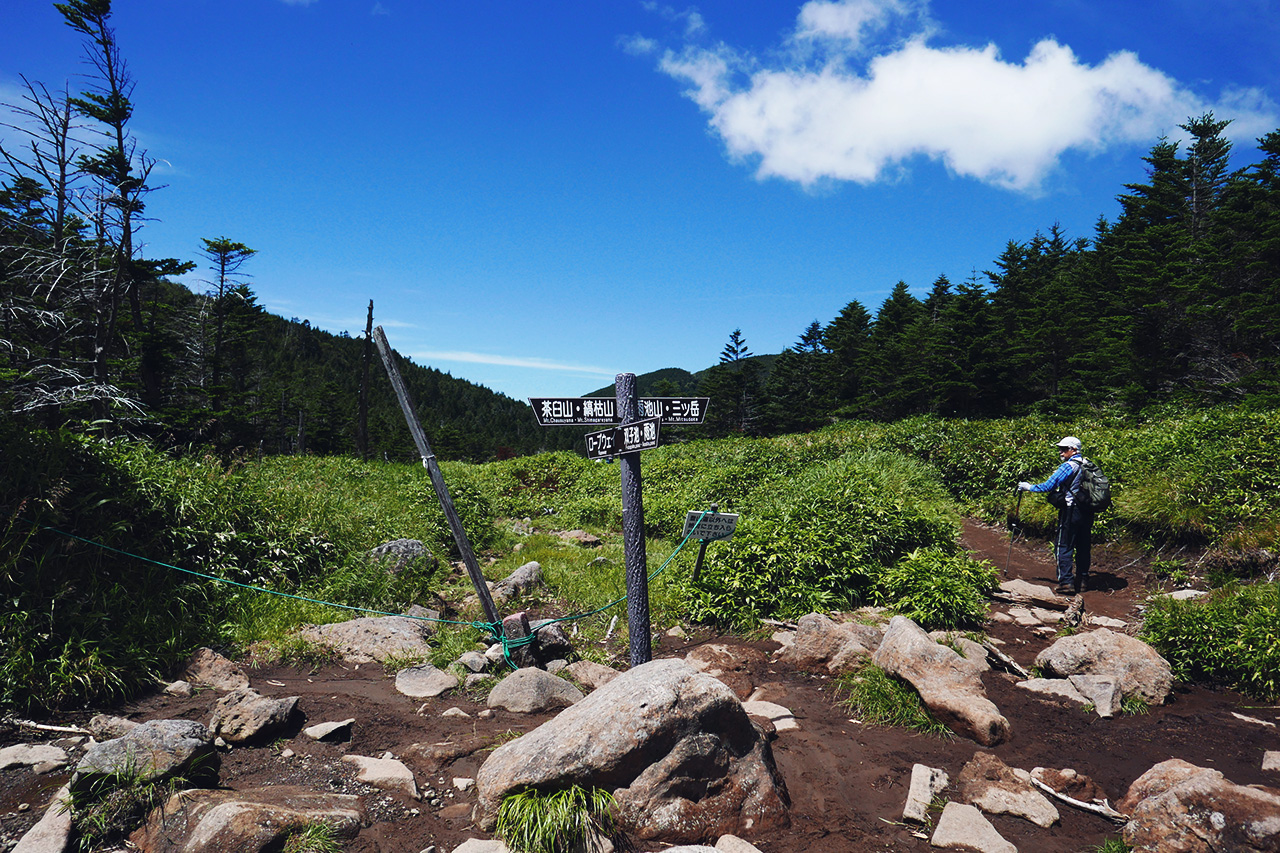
(538, 195)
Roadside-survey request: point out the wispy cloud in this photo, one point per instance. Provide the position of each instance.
(299, 2)
(858, 90)
(379, 9)
(509, 361)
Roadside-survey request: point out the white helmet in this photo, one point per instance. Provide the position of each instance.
(1070, 441)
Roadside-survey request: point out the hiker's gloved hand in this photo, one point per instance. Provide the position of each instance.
(1024, 487)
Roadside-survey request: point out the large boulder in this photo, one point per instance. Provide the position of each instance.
(824, 645)
(249, 821)
(949, 685)
(1137, 668)
(399, 554)
(153, 751)
(1177, 807)
(207, 668)
(675, 747)
(373, 638)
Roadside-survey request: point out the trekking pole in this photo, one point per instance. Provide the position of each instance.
(1017, 517)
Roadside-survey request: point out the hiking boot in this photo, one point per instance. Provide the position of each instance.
(1076, 587)
(1065, 589)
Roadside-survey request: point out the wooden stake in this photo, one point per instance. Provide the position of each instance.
(437, 480)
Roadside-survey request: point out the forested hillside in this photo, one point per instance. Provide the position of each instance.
(1178, 299)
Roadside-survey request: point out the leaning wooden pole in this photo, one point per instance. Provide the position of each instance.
(437, 480)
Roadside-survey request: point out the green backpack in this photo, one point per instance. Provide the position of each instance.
(1092, 488)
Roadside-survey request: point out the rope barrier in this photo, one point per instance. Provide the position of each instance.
(494, 629)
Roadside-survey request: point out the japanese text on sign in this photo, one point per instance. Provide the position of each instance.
(714, 525)
(584, 411)
(641, 435)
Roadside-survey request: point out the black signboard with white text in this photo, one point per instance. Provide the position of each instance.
(632, 438)
(586, 411)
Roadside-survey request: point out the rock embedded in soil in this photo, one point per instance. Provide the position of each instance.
(424, 681)
(948, 684)
(963, 827)
(674, 746)
(154, 751)
(1138, 669)
(245, 716)
(531, 690)
(995, 788)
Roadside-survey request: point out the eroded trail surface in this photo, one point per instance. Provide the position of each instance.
(847, 781)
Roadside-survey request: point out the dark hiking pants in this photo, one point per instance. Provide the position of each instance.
(1075, 527)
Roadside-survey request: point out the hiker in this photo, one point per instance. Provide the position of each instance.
(1075, 523)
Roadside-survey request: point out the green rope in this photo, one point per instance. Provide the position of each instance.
(494, 629)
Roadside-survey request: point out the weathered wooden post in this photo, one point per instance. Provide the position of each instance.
(633, 549)
(437, 481)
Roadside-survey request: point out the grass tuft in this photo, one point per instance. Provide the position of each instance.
(555, 822)
(878, 698)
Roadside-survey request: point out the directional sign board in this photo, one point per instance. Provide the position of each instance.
(714, 525)
(586, 411)
(632, 438)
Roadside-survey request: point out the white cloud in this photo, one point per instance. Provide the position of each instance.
(866, 108)
(379, 9)
(509, 361)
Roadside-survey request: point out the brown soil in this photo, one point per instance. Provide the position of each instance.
(847, 781)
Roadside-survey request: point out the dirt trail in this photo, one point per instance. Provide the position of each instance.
(847, 781)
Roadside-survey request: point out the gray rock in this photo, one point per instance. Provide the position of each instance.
(1137, 668)
(157, 750)
(335, 730)
(515, 628)
(991, 785)
(476, 845)
(926, 783)
(255, 820)
(52, 833)
(399, 554)
(520, 581)
(179, 688)
(734, 844)
(1101, 690)
(674, 746)
(106, 727)
(372, 638)
(550, 640)
(207, 668)
(424, 681)
(582, 537)
(1271, 760)
(385, 773)
(42, 756)
(782, 718)
(1176, 806)
(963, 827)
(948, 684)
(474, 661)
(590, 674)
(531, 690)
(246, 715)
(822, 645)
(1033, 593)
(478, 679)
(1059, 687)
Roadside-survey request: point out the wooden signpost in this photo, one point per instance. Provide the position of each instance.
(639, 423)
(437, 481)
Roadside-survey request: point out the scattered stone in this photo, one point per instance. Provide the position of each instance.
(477, 680)
(926, 783)
(1177, 806)
(424, 681)
(474, 661)
(207, 668)
(823, 645)
(557, 666)
(1137, 668)
(582, 537)
(590, 674)
(334, 731)
(255, 820)
(550, 641)
(476, 845)
(52, 833)
(182, 689)
(1102, 691)
(463, 783)
(516, 628)
(455, 712)
(1071, 784)
(1105, 622)
(949, 685)
(1271, 760)
(385, 773)
(734, 844)
(157, 750)
(675, 746)
(372, 639)
(44, 758)
(962, 826)
(1059, 687)
(991, 785)
(246, 715)
(1032, 593)
(782, 718)
(518, 582)
(1183, 594)
(531, 690)
(106, 727)
(1254, 720)
(400, 554)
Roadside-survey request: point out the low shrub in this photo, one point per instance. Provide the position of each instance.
(938, 590)
(1232, 637)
